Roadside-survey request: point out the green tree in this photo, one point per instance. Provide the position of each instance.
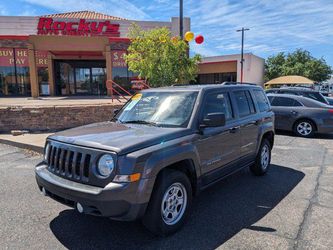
(301, 63)
(160, 59)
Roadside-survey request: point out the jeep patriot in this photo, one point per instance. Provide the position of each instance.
(160, 149)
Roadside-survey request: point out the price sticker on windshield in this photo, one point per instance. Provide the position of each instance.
(134, 100)
(136, 97)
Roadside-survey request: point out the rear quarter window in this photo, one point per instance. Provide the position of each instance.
(262, 101)
(244, 102)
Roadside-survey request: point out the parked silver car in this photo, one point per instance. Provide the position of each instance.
(302, 115)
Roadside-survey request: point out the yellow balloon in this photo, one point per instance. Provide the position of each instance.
(189, 35)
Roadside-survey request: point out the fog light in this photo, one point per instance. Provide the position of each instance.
(44, 192)
(79, 208)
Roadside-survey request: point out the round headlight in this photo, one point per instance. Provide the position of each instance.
(105, 165)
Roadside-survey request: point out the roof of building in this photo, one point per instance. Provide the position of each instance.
(85, 14)
(290, 80)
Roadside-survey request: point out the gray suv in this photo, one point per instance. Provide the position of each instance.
(160, 150)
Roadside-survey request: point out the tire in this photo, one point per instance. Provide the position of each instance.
(263, 160)
(165, 202)
(304, 128)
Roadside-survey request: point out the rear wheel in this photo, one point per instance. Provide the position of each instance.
(169, 204)
(263, 160)
(304, 128)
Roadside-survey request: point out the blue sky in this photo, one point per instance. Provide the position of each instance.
(275, 25)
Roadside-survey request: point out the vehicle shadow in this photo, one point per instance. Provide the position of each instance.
(316, 136)
(218, 213)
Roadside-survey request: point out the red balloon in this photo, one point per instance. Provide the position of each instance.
(199, 39)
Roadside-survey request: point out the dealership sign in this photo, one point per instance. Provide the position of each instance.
(47, 26)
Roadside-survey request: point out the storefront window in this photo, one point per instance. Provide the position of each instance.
(217, 78)
(14, 72)
(120, 73)
(43, 72)
(43, 81)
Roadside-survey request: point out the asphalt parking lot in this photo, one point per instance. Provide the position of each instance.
(289, 208)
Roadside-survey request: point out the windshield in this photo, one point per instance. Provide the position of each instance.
(172, 109)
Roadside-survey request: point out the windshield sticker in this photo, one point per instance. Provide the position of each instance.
(131, 104)
(136, 97)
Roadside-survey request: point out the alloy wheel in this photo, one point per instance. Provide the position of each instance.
(264, 157)
(304, 128)
(174, 203)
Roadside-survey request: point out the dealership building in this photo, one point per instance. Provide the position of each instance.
(75, 53)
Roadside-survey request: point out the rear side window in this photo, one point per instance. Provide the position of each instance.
(261, 99)
(218, 103)
(244, 103)
(285, 102)
(315, 96)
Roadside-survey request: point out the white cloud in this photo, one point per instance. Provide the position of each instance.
(274, 25)
(3, 10)
(120, 8)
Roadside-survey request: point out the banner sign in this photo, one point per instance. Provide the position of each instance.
(117, 59)
(21, 58)
(47, 26)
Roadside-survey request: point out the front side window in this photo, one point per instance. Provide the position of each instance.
(245, 106)
(218, 103)
(173, 109)
(261, 99)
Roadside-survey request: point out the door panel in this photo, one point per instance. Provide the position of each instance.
(285, 117)
(218, 146)
(249, 133)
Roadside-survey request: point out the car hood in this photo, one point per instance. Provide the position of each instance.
(120, 138)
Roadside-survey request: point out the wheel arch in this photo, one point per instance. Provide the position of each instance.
(269, 135)
(305, 119)
(187, 167)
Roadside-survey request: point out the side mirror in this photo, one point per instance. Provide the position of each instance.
(213, 120)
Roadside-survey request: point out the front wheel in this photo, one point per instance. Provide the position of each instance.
(169, 204)
(263, 160)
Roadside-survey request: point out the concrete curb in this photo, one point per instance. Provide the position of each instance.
(35, 148)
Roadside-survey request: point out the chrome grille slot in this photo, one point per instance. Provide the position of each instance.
(69, 163)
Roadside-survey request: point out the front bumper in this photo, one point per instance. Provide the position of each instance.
(120, 201)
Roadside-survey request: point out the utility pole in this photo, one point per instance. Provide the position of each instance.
(242, 51)
(181, 19)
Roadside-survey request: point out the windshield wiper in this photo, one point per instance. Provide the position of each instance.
(141, 122)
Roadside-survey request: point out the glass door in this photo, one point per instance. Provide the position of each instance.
(65, 79)
(98, 77)
(80, 77)
(83, 81)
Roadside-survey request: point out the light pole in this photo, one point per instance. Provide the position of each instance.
(181, 19)
(242, 51)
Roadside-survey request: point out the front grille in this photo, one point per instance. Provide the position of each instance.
(69, 163)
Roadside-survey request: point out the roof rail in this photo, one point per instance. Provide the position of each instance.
(236, 83)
